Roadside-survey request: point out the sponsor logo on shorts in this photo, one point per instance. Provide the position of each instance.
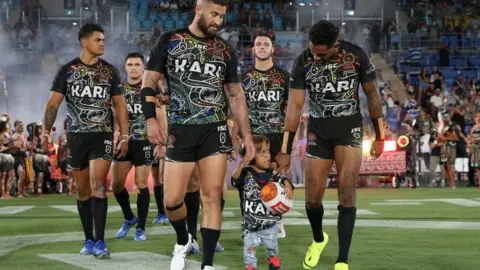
(223, 137)
(357, 129)
(108, 146)
(222, 128)
(171, 141)
(148, 152)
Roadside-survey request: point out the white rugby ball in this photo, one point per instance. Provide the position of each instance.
(273, 196)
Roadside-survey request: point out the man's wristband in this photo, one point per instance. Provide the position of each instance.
(149, 102)
(287, 143)
(378, 127)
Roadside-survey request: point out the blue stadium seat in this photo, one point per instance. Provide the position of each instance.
(152, 16)
(268, 6)
(142, 15)
(246, 6)
(477, 42)
(230, 17)
(467, 42)
(474, 61)
(444, 39)
(414, 79)
(180, 24)
(258, 5)
(458, 62)
(163, 16)
(453, 41)
(278, 24)
(403, 67)
(134, 25)
(169, 25)
(184, 15)
(147, 24)
(174, 15)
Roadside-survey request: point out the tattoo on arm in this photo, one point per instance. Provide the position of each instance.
(374, 100)
(49, 117)
(152, 79)
(239, 107)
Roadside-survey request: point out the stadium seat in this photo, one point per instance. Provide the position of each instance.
(403, 67)
(278, 24)
(174, 15)
(163, 16)
(147, 24)
(453, 42)
(458, 62)
(169, 25)
(184, 15)
(444, 39)
(180, 24)
(466, 42)
(268, 6)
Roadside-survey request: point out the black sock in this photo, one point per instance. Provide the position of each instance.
(85, 212)
(210, 238)
(123, 199)
(99, 213)
(315, 216)
(143, 202)
(345, 225)
(222, 203)
(192, 202)
(158, 191)
(180, 227)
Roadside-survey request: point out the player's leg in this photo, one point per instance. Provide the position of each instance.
(120, 170)
(219, 247)
(10, 179)
(348, 161)
(142, 159)
(20, 170)
(100, 159)
(157, 175)
(212, 164)
(143, 200)
(3, 175)
(319, 161)
(192, 203)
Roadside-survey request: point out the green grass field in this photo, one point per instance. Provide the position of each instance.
(428, 234)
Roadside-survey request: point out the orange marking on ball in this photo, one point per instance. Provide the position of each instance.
(269, 192)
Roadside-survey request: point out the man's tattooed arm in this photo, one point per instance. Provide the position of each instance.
(51, 109)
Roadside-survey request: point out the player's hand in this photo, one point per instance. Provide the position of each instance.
(45, 139)
(156, 135)
(376, 149)
(283, 162)
(122, 149)
(249, 149)
(288, 190)
(163, 99)
(159, 152)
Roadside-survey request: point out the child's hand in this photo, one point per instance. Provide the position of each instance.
(288, 190)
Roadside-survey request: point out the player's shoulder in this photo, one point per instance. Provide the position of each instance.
(303, 58)
(222, 40)
(67, 66)
(281, 70)
(176, 32)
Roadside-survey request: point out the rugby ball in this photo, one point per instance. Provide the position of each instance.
(273, 196)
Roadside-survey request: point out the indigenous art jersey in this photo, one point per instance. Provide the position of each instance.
(333, 84)
(88, 91)
(257, 216)
(196, 70)
(138, 126)
(266, 93)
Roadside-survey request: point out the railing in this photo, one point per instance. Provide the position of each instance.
(452, 40)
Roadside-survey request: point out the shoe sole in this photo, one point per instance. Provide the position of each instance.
(306, 266)
(102, 256)
(86, 253)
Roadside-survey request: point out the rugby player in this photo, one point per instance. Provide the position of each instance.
(332, 71)
(140, 153)
(197, 65)
(91, 86)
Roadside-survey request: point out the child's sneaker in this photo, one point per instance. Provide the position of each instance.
(274, 263)
(250, 267)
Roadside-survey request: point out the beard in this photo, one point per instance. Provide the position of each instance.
(202, 25)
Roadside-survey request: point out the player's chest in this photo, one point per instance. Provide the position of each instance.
(264, 88)
(331, 77)
(89, 84)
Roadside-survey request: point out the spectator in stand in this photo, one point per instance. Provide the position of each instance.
(444, 56)
(267, 22)
(164, 6)
(394, 117)
(173, 5)
(156, 32)
(437, 100)
(415, 54)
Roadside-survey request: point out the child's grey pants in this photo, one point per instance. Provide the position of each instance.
(252, 240)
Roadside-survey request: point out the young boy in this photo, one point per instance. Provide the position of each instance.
(259, 224)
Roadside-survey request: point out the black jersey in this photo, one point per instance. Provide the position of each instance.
(138, 126)
(266, 93)
(333, 84)
(88, 91)
(196, 70)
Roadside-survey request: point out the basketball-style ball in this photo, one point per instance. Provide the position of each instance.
(273, 196)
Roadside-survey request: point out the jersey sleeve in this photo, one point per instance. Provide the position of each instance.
(297, 76)
(59, 83)
(232, 72)
(367, 69)
(117, 87)
(157, 60)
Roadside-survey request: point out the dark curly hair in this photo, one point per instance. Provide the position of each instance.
(323, 33)
(88, 29)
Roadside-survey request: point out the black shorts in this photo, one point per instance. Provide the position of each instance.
(83, 147)
(155, 163)
(191, 143)
(140, 152)
(324, 134)
(275, 143)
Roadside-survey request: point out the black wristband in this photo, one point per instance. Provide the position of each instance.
(148, 98)
(287, 144)
(378, 127)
